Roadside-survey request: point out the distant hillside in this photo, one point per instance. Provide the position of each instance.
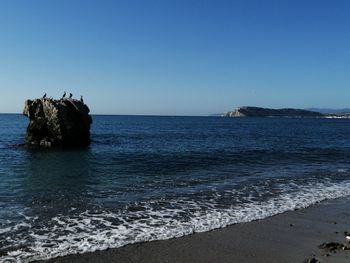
(266, 112)
(329, 111)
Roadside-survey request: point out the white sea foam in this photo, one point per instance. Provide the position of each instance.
(89, 231)
(6, 229)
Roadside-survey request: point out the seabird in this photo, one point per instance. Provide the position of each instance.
(44, 96)
(64, 95)
(81, 99)
(70, 95)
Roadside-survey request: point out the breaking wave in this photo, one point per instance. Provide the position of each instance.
(90, 231)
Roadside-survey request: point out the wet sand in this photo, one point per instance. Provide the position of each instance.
(289, 237)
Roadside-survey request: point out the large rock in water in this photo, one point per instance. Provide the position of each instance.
(57, 123)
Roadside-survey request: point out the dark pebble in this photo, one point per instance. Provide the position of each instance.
(312, 260)
(332, 246)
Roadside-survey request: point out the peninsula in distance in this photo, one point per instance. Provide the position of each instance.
(250, 111)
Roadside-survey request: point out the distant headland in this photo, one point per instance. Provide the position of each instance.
(249, 111)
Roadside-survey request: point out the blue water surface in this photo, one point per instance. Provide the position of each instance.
(148, 177)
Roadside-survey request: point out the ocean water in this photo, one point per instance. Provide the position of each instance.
(150, 178)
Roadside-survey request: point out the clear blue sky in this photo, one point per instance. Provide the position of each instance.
(176, 57)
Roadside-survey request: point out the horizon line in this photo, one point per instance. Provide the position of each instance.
(116, 114)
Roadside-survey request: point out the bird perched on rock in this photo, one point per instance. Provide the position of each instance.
(347, 237)
(44, 96)
(64, 95)
(81, 99)
(70, 95)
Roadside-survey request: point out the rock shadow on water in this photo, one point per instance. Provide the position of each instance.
(59, 175)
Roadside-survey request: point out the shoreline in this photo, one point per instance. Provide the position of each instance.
(292, 236)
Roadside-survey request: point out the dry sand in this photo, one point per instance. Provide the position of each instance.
(288, 237)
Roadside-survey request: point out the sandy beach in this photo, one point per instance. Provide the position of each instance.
(293, 236)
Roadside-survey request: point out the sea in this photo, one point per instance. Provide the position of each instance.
(150, 178)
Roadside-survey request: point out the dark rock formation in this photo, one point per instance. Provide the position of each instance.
(312, 260)
(265, 112)
(57, 123)
(333, 246)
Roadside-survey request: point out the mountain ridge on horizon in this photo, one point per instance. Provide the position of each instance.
(328, 110)
(315, 109)
(253, 111)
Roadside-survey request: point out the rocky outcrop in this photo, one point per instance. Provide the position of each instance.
(57, 123)
(266, 112)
